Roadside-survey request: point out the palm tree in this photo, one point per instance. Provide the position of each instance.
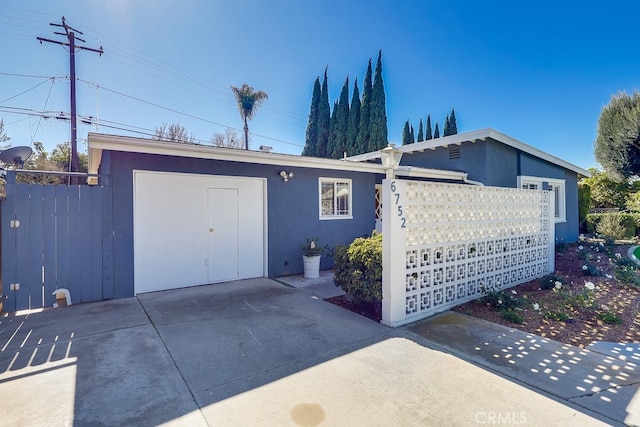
(248, 102)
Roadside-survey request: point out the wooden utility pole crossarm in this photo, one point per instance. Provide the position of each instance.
(70, 34)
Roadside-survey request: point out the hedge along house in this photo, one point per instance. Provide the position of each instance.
(498, 160)
(186, 214)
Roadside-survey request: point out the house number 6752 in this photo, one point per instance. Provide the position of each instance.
(396, 196)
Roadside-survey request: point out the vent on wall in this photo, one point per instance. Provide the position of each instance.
(454, 153)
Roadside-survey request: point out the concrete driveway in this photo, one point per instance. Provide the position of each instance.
(252, 352)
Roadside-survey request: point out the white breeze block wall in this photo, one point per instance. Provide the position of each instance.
(444, 243)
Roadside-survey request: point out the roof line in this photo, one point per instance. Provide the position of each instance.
(478, 135)
(98, 142)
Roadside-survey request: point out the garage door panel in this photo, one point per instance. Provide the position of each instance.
(172, 214)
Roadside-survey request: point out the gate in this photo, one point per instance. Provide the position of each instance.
(446, 244)
(52, 237)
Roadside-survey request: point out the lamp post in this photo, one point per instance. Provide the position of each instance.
(390, 157)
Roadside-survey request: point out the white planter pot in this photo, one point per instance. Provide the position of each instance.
(311, 266)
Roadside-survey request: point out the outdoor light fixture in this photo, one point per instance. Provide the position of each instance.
(285, 176)
(390, 157)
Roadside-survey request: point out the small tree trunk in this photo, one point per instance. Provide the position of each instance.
(246, 134)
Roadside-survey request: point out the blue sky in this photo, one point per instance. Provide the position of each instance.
(537, 71)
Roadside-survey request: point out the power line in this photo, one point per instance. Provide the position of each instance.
(28, 90)
(70, 34)
(27, 10)
(189, 115)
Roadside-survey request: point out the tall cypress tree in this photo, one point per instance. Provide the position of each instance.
(339, 129)
(447, 128)
(406, 133)
(311, 138)
(428, 135)
(365, 113)
(324, 119)
(354, 121)
(436, 133)
(453, 125)
(378, 138)
(420, 132)
(333, 129)
(412, 137)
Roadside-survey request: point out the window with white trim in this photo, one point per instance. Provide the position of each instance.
(335, 198)
(555, 185)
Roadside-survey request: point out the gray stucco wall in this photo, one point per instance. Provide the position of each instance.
(497, 164)
(489, 162)
(292, 208)
(567, 231)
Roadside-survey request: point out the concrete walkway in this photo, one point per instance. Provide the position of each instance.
(256, 352)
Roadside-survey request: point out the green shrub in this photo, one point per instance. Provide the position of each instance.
(549, 281)
(617, 225)
(610, 318)
(555, 315)
(512, 316)
(626, 272)
(584, 203)
(358, 269)
(561, 246)
(502, 300)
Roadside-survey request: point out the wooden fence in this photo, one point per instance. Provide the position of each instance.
(52, 237)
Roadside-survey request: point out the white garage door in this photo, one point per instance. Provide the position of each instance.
(196, 229)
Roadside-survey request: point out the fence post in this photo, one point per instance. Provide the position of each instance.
(394, 223)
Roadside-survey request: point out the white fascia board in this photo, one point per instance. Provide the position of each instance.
(415, 172)
(479, 135)
(99, 142)
(506, 139)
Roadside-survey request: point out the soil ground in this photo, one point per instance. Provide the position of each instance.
(573, 314)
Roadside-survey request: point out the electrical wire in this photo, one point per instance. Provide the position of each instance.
(121, 54)
(33, 137)
(25, 91)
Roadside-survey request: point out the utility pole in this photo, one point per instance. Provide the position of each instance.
(70, 33)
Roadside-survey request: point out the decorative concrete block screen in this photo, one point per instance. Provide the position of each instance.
(444, 244)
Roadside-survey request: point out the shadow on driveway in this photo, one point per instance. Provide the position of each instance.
(251, 352)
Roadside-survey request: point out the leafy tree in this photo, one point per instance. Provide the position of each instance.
(436, 133)
(633, 202)
(339, 131)
(378, 137)
(584, 203)
(428, 134)
(617, 145)
(311, 138)
(228, 139)
(606, 192)
(173, 133)
(420, 136)
(354, 121)
(248, 100)
(406, 135)
(453, 124)
(324, 119)
(58, 160)
(3, 135)
(365, 113)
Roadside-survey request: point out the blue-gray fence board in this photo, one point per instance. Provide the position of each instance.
(23, 295)
(107, 244)
(9, 256)
(49, 237)
(64, 240)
